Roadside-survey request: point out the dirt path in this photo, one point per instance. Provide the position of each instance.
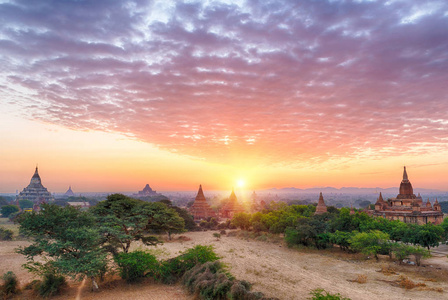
(290, 274)
(274, 269)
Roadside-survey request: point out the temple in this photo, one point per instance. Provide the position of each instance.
(147, 191)
(232, 207)
(321, 207)
(201, 209)
(407, 207)
(69, 192)
(35, 191)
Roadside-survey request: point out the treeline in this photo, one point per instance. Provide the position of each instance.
(357, 232)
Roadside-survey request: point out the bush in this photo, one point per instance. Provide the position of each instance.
(5, 234)
(8, 209)
(171, 270)
(212, 281)
(51, 285)
(10, 285)
(321, 294)
(136, 265)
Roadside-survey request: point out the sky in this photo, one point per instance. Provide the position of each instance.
(111, 95)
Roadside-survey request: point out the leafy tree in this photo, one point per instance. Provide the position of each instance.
(419, 253)
(123, 220)
(341, 238)
(429, 235)
(189, 222)
(401, 251)
(8, 210)
(65, 240)
(242, 220)
(3, 201)
(370, 243)
(168, 221)
(26, 204)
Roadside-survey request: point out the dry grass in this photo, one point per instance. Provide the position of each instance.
(360, 279)
(388, 270)
(408, 284)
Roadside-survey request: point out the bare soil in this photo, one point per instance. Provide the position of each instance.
(274, 269)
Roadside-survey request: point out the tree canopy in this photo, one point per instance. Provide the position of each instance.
(122, 220)
(65, 239)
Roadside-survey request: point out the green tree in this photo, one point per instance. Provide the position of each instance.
(241, 220)
(65, 239)
(8, 210)
(370, 243)
(26, 204)
(3, 201)
(123, 220)
(429, 235)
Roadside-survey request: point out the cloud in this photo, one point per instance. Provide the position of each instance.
(276, 81)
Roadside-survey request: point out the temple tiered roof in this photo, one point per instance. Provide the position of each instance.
(232, 207)
(321, 207)
(35, 191)
(200, 208)
(407, 207)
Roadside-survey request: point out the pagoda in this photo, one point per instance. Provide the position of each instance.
(407, 207)
(232, 207)
(69, 192)
(321, 208)
(35, 191)
(200, 208)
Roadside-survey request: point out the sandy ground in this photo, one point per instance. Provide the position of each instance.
(274, 269)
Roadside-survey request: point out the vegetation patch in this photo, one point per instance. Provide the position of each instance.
(212, 281)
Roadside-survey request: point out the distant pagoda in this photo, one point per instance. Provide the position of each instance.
(201, 209)
(232, 207)
(321, 207)
(35, 191)
(147, 191)
(69, 192)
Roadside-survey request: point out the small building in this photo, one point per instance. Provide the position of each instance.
(407, 207)
(321, 208)
(201, 209)
(80, 204)
(232, 207)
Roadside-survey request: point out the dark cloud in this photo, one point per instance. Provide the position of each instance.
(280, 81)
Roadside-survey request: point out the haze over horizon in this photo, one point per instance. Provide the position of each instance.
(111, 95)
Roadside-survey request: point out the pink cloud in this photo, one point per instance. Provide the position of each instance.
(277, 80)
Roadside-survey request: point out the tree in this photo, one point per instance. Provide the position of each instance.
(241, 220)
(3, 201)
(26, 204)
(123, 220)
(8, 210)
(429, 235)
(168, 221)
(66, 240)
(370, 243)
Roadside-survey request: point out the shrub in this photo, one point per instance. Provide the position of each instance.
(10, 285)
(212, 281)
(135, 265)
(171, 270)
(321, 294)
(217, 236)
(5, 234)
(51, 285)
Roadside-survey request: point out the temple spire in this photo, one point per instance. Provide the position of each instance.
(405, 175)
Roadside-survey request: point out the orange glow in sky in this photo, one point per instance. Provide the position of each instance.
(251, 95)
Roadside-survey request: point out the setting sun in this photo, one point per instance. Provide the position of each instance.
(240, 183)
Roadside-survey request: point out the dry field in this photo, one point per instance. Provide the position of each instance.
(274, 270)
